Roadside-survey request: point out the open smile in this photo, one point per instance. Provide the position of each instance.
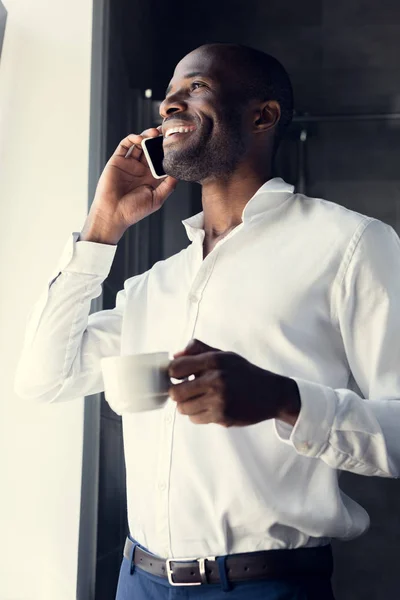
(176, 135)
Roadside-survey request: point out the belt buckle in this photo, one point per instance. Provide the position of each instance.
(202, 569)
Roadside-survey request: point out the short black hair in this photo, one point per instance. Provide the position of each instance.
(264, 78)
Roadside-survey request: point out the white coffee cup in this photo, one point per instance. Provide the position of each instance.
(136, 382)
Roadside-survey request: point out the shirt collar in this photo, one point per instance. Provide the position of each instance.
(270, 195)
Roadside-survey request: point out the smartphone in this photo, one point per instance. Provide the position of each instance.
(154, 153)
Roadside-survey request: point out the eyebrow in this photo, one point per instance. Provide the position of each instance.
(188, 76)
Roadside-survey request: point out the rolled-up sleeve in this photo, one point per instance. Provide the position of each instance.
(348, 431)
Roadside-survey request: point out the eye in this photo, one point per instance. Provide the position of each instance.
(197, 83)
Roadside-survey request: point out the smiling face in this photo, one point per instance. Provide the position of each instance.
(203, 101)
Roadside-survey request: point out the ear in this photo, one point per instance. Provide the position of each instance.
(267, 116)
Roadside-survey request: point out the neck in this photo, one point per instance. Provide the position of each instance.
(224, 201)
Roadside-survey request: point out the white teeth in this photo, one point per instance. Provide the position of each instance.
(177, 130)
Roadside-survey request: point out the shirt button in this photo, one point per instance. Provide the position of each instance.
(168, 419)
(162, 486)
(193, 299)
(305, 446)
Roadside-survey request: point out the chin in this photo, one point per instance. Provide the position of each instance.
(184, 170)
(189, 175)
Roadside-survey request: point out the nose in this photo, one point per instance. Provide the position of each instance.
(172, 104)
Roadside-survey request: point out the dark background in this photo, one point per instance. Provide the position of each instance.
(343, 59)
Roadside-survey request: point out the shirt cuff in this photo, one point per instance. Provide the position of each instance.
(90, 258)
(310, 434)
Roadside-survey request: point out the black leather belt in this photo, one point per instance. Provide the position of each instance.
(265, 564)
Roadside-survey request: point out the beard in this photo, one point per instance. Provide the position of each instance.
(210, 157)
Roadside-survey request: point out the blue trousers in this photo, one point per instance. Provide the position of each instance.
(140, 585)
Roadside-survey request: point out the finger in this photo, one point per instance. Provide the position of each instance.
(135, 139)
(126, 144)
(181, 392)
(202, 418)
(135, 151)
(192, 407)
(165, 189)
(151, 132)
(184, 366)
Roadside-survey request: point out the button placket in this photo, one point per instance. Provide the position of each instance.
(196, 292)
(163, 479)
(168, 423)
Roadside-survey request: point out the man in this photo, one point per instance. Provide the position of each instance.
(284, 307)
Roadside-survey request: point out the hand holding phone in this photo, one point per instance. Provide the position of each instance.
(127, 191)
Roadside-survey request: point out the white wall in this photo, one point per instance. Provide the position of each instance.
(44, 142)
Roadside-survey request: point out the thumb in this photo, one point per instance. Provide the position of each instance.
(165, 189)
(194, 347)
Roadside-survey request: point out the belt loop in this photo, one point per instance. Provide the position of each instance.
(132, 565)
(226, 585)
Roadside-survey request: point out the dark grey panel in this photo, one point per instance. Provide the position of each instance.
(374, 46)
(107, 574)
(296, 47)
(286, 12)
(136, 26)
(112, 486)
(107, 412)
(367, 568)
(358, 151)
(360, 12)
(360, 90)
(354, 164)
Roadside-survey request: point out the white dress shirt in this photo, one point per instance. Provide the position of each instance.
(302, 287)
